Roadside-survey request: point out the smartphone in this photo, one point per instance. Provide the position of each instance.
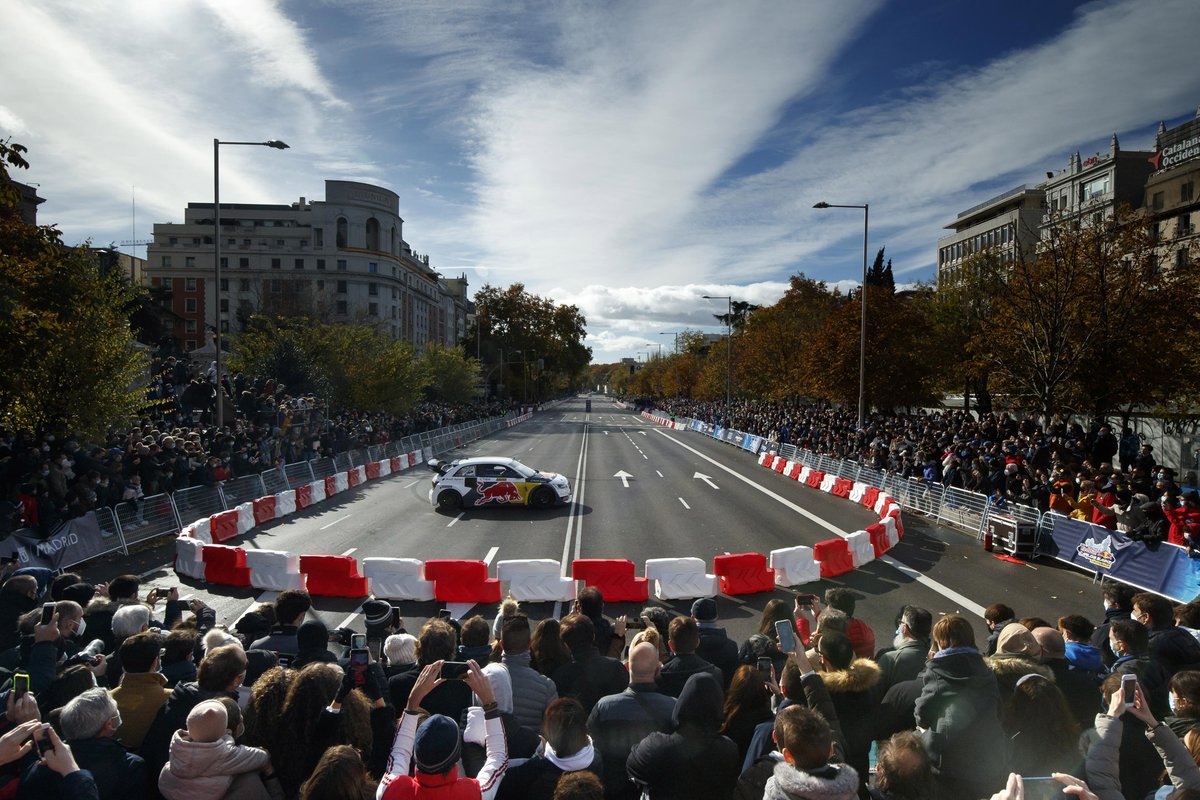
(42, 742)
(787, 635)
(20, 684)
(454, 670)
(1129, 689)
(1041, 787)
(47, 613)
(358, 641)
(444, 613)
(767, 667)
(805, 599)
(635, 624)
(360, 657)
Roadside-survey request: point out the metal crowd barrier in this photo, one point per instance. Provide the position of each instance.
(951, 506)
(165, 514)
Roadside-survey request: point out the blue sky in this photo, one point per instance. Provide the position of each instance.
(627, 157)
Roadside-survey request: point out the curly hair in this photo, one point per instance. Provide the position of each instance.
(311, 691)
(265, 708)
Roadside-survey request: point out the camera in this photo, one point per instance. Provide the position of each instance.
(87, 655)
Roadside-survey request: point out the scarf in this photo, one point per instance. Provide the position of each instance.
(831, 782)
(571, 763)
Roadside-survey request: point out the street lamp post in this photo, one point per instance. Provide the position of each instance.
(728, 345)
(659, 346)
(862, 333)
(676, 335)
(278, 145)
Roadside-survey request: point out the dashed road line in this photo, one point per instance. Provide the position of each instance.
(410, 484)
(350, 551)
(336, 521)
(456, 519)
(685, 505)
(490, 555)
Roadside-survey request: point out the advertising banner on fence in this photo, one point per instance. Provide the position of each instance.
(76, 541)
(1165, 569)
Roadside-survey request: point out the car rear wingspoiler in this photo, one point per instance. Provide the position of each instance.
(440, 467)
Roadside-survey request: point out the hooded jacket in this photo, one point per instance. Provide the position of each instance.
(1010, 668)
(959, 710)
(205, 770)
(694, 760)
(1085, 657)
(856, 692)
(1174, 648)
(532, 691)
(831, 782)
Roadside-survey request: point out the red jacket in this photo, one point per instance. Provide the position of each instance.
(397, 784)
(1176, 517)
(862, 638)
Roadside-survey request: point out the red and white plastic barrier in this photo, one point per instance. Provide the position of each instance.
(397, 578)
(245, 522)
(535, 579)
(462, 581)
(189, 557)
(744, 573)
(274, 570)
(285, 503)
(681, 578)
(794, 566)
(614, 577)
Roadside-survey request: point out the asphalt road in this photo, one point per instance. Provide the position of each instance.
(640, 491)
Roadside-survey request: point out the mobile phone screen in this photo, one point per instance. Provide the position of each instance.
(20, 684)
(454, 670)
(47, 613)
(766, 667)
(358, 641)
(787, 635)
(360, 657)
(1128, 686)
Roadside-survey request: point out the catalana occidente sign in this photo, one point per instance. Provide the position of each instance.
(1177, 146)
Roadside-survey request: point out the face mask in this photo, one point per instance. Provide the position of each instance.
(118, 720)
(1171, 702)
(1106, 605)
(81, 629)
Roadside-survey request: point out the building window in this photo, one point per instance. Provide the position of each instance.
(189, 284)
(395, 293)
(373, 289)
(373, 309)
(276, 263)
(244, 285)
(320, 263)
(173, 241)
(166, 261)
(395, 313)
(224, 262)
(341, 265)
(372, 267)
(243, 263)
(341, 307)
(231, 242)
(224, 284)
(224, 306)
(1184, 226)
(245, 242)
(341, 287)
(1185, 192)
(318, 237)
(279, 242)
(1156, 201)
(189, 326)
(189, 306)
(224, 326)
(343, 231)
(320, 285)
(372, 234)
(299, 263)
(189, 261)
(276, 285)
(1181, 257)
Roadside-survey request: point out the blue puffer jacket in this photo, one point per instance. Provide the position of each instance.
(1085, 657)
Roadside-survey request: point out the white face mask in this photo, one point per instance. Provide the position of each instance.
(1171, 702)
(82, 627)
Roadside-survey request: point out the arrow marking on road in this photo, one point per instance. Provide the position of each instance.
(643, 433)
(624, 476)
(706, 479)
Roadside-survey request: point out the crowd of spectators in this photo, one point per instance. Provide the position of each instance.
(1094, 474)
(176, 444)
(105, 699)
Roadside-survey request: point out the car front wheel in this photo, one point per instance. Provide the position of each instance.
(448, 500)
(543, 497)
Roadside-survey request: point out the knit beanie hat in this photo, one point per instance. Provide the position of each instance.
(1016, 639)
(81, 593)
(207, 722)
(312, 635)
(705, 610)
(400, 648)
(437, 745)
(377, 612)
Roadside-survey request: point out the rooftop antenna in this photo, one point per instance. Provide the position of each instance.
(133, 242)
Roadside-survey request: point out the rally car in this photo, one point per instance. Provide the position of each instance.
(473, 482)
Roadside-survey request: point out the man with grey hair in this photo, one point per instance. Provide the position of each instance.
(910, 647)
(128, 620)
(89, 724)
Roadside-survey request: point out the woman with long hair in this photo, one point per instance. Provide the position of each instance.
(1041, 728)
(339, 775)
(546, 645)
(747, 704)
(266, 705)
(764, 643)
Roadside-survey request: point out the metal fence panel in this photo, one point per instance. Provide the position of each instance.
(298, 474)
(242, 490)
(198, 502)
(963, 509)
(110, 535)
(322, 467)
(155, 516)
(274, 481)
(342, 462)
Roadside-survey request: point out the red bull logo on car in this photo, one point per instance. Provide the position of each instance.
(499, 492)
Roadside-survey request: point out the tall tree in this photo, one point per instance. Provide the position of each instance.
(880, 275)
(453, 377)
(773, 342)
(71, 364)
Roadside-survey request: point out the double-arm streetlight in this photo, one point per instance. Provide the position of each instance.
(658, 345)
(728, 345)
(862, 334)
(676, 335)
(278, 145)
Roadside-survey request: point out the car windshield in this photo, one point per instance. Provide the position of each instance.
(525, 471)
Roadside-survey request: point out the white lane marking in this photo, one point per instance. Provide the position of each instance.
(490, 555)
(942, 589)
(348, 552)
(410, 484)
(702, 477)
(575, 513)
(685, 505)
(624, 476)
(659, 474)
(336, 521)
(461, 514)
(346, 622)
